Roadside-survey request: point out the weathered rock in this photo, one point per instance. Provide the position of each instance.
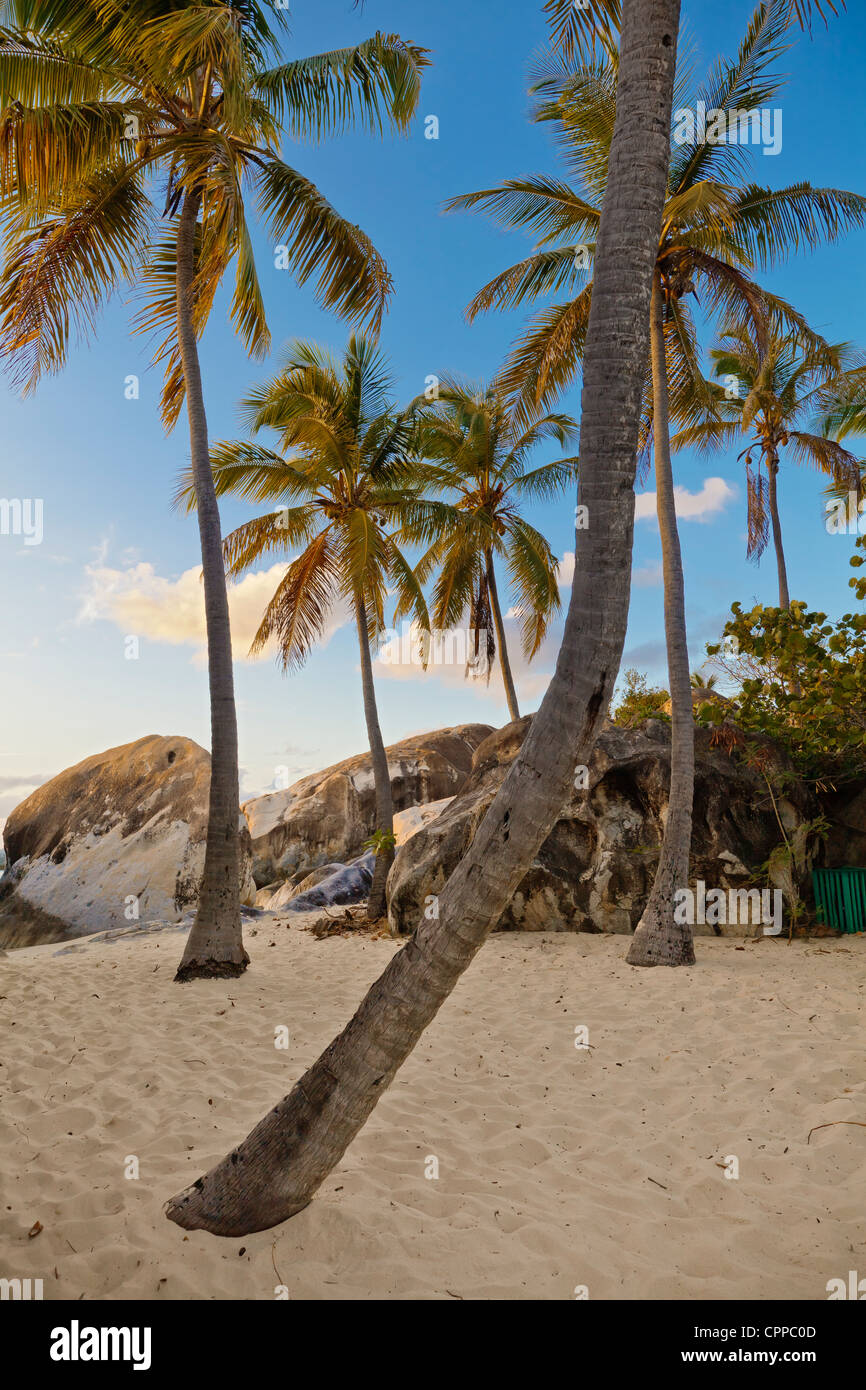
(328, 815)
(279, 893)
(846, 843)
(122, 832)
(407, 823)
(348, 884)
(594, 871)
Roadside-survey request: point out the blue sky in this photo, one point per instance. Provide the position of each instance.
(117, 560)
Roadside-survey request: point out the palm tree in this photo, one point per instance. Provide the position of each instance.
(714, 230)
(106, 106)
(276, 1170)
(345, 472)
(776, 387)
(480, 456)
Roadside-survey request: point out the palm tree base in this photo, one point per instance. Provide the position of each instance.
(208, 1206)
(211, 968)
(660, 942)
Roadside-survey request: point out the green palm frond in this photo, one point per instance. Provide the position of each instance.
(411, 602)
(773, 222)
(351, 277)
(549, 207)
(546, 358)
(251, 471)
(577, 30)
(462, 567)
(542, 273)
(744, 84)
(45, 151)
(548, 481)
(827, 456)
(297, 614)
(57, 273)
(377, 82)
(275, 531)
(35, 72)
(532, 569)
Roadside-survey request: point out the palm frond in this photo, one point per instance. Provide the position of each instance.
(58, 273)
(351, 276)
(375, 83)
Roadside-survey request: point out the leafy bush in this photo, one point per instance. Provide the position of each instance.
(639, 701)
(803, 683)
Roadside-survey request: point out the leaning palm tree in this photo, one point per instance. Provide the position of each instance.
(715, 229)
(128, 136)
(781, 395)
(345, 474)
(477, 456)
(277, 1169)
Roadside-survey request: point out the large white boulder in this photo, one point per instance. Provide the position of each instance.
(117, 839)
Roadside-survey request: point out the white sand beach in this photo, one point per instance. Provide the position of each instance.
(558, 1167)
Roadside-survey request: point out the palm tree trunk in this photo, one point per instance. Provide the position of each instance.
(381, 773)
(658, 939)
(507, 678)
(773, 471)
(215, 943)
(275, 1171)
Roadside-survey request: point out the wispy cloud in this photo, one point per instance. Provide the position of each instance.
(713, 497)
(645, 577)
(399, 660)
(139, 601)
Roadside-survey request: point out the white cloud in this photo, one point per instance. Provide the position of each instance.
(713, 497)
(140, 601)
(646, 577)
(565, 570)
(400, 660)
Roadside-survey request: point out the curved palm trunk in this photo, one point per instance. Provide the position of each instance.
(215, 943)
(381, 774)
(275, 1171)
(773, 471)
(658, 939)
(507, 678)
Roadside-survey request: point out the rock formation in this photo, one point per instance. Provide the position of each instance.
(119, 838)
(327, 816)
(595, 869)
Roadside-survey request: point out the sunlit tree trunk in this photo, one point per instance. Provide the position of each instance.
(278, 1167)
(505, 664)
(773, 471)
(381, 773)
(659, 939)
(215, 943)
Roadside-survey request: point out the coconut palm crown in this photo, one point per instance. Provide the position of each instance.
(476, 455)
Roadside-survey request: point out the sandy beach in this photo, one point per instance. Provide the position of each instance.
(559, 1168)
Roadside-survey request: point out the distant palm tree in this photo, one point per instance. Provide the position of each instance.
(345, 476)
(700, 681)
(715, 229)
(107, 105)
(781, 395)
(477, 454)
